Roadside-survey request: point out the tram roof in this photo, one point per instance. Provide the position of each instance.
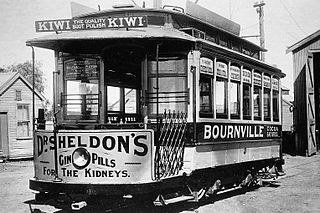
(60, 40)
(53, 41)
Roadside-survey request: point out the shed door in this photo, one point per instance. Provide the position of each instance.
(311, 111)
(3, 134)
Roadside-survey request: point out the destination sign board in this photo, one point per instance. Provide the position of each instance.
(90, 23)
(82, 68)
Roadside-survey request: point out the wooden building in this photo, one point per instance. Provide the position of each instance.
(306, 73)
(16, 104)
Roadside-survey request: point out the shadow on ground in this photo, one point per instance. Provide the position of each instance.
(132, 206)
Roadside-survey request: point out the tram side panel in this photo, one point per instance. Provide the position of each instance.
(225, 144)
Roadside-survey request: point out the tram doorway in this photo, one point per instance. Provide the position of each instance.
(122, 77)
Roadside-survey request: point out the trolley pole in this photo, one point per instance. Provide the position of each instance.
(260, 11)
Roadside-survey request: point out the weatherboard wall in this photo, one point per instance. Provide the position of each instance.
(18, 147)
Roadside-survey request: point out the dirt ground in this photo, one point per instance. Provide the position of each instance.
(297, 191)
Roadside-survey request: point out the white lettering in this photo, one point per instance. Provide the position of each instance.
(223, 131)
(121, 22)
(112, 22)
(140, 21)
(130, 21)
(42, 26)
(215, 132)
(207, 131)
(59, 25)
(230, 132)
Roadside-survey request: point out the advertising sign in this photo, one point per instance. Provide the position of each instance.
(225, 132)
(115, 157)
(246, 76)
(275, 84)
(90, 23)
(222, 69)
(266, 81)
(206, 66)
(234, 73)
(257, 79)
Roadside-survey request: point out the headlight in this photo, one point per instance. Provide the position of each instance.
(80, 158)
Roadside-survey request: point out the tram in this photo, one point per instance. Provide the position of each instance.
(155, 102)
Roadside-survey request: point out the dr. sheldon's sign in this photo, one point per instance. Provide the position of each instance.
(90, 23)
(94, 156)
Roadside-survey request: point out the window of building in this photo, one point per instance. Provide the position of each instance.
(18, 95)
(246, 102)
(23, 117)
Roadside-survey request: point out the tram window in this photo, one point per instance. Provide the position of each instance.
(113, 98)
(275, 103)
(130, 100)
(246, 102)
(82, 99)
(234, 92)
(205, 95)
(257, 103)
(221, 98)
(171, 94)
(267, 107)
(168, 66)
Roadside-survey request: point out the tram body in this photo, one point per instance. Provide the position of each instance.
(150, 101)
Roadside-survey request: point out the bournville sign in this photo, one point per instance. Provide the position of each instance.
(90, 23)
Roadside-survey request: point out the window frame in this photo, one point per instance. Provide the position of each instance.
(152, 75)
(81, 77)
(210, 79)
(26, 121)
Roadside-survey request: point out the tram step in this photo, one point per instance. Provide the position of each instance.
(161, 201)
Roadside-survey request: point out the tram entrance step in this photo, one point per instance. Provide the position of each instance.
(160, 201)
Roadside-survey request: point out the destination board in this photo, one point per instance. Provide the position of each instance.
(82, 68)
